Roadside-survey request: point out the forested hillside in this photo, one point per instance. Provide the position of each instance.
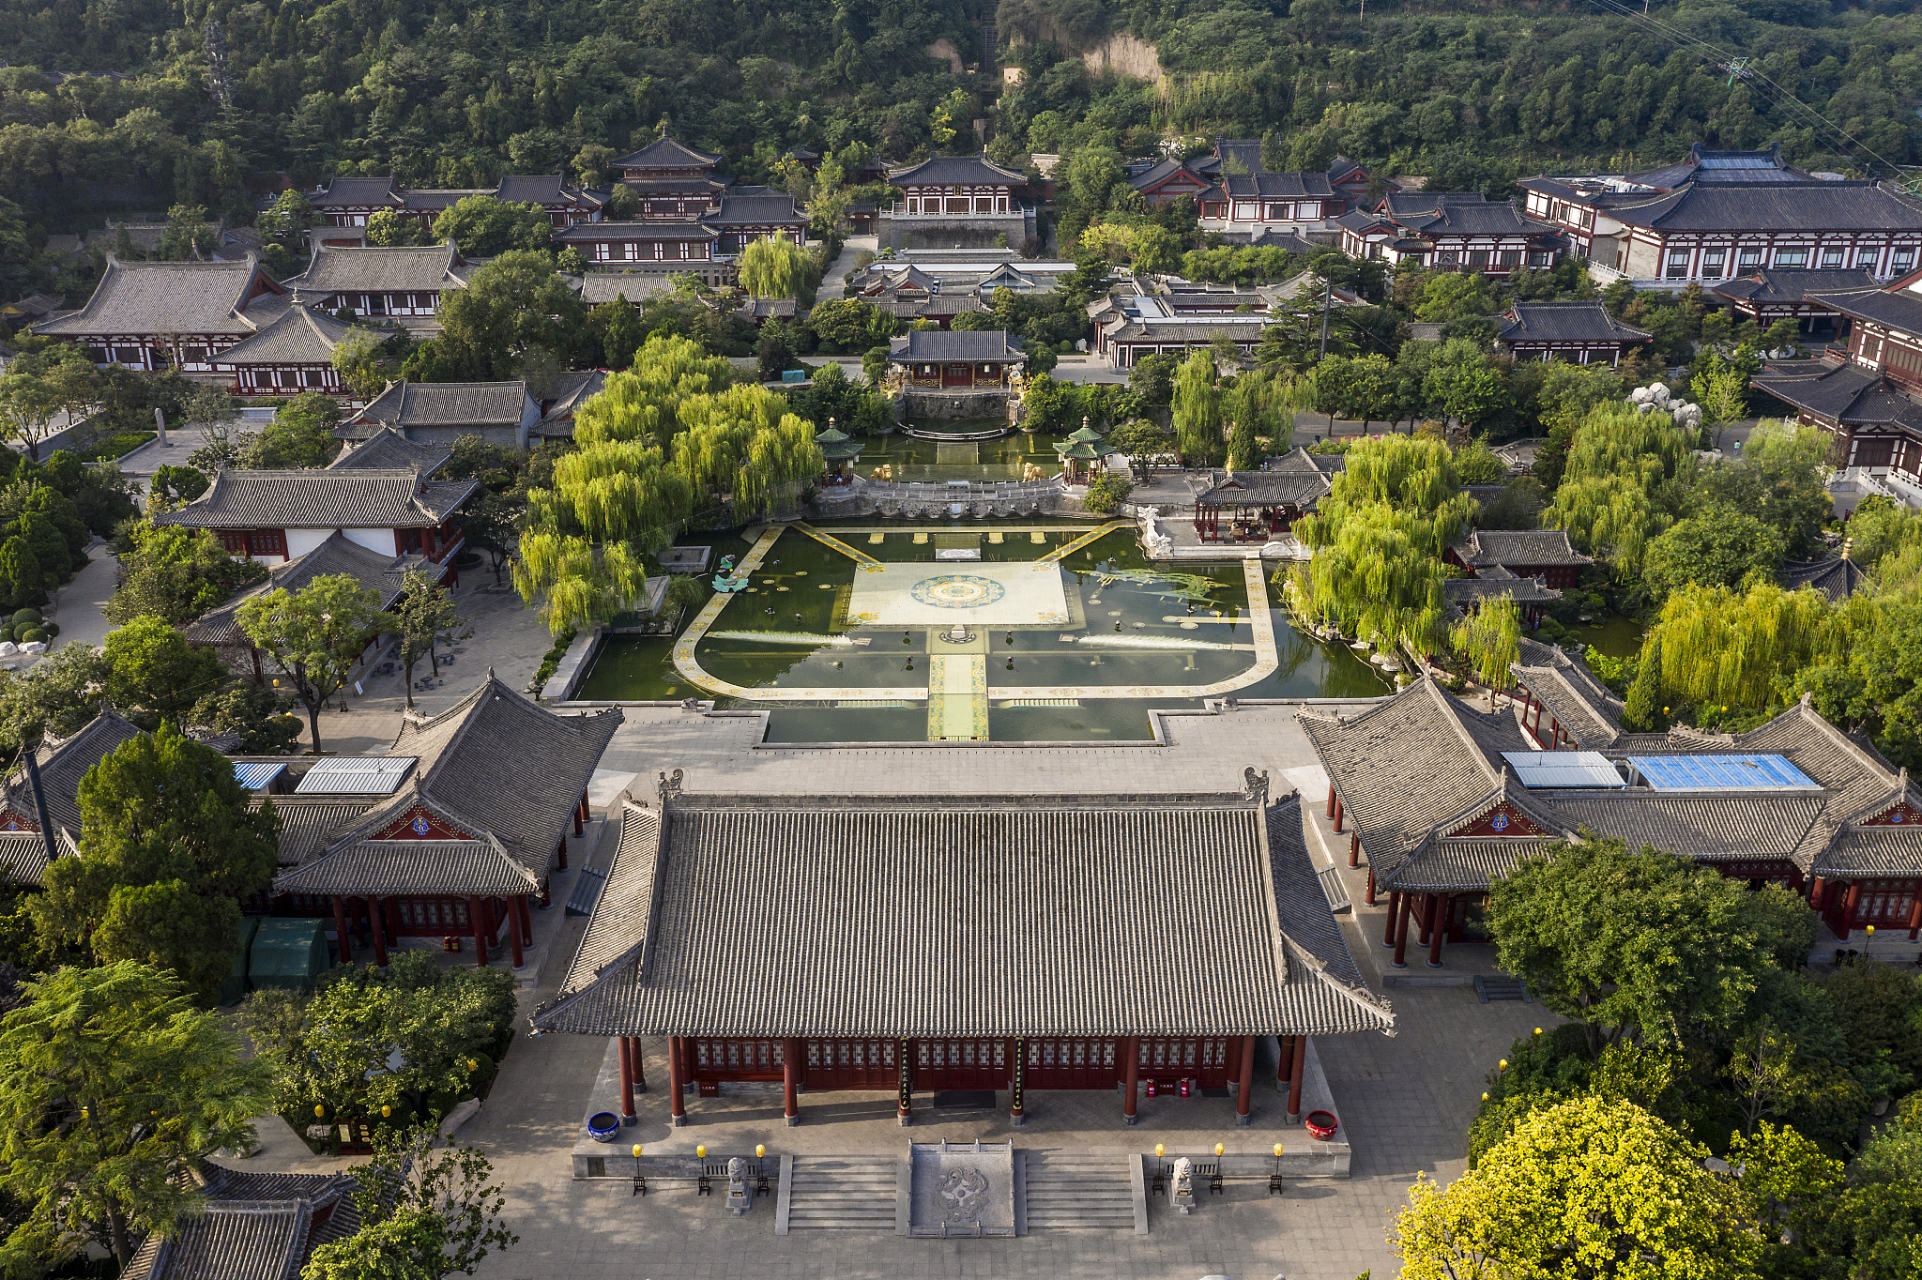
(212, 100)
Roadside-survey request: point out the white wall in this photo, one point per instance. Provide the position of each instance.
(301, 541)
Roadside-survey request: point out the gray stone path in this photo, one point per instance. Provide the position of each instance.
(78, 604)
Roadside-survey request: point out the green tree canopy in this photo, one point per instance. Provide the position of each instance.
(168, 849)
(112, 1088)
(1197, 411)
(312, 636)
(1586, 1188)
(152, 668)
(175, 574)
(1718, 548)
(1641, 944)
(426, 1211)
(1739, 648)
(483, 227)
(515, 309)
(426, 617)
(301, 435)
(1624, 481)
(773, 267)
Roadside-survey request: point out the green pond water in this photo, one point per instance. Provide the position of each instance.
(789, 630)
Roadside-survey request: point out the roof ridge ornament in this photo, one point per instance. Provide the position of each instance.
(1256, 784)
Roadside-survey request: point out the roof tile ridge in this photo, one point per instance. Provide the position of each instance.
(1454, 709)
(1363, 995)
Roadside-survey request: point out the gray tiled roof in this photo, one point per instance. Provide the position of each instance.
(300, 335)
(600, 287)
(1510, 547)
(1897, 308)
(1705, 828)
(936, 345)
(1813, 207)
(1300, 459)
(544, 189)
(570, 393)
(1846, 393)
(666, 153)
(338, 554)
(1746, 167)
(307, 826)
(1780, 285)
(755, 210)
(322, 499)
(230, 1240)
(448, 404)
(184, 298)
(385, 449)
(1567, 322)
(956, 171)
(373, 269)
(1583, 705)
(594, 232)
(1838, 579)
(343, 192)
(1410, 763)
(495, 766)
(980, 916)
(23, 855)
(1301, 488)
(63, 763)
(1494, 582)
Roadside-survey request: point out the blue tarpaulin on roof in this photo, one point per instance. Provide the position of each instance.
(257, 777)
(1720, 773)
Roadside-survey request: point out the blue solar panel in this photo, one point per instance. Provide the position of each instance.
(256, 777)
(1720, 773)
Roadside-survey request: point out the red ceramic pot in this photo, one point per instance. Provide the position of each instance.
(1322, 1124)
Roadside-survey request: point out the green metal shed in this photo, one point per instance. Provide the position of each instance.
(289, 953)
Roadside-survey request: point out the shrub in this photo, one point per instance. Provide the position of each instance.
(26, 617)
(32, 634)
(1105, 492)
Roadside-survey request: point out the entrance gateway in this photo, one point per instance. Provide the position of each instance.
(1090, 941)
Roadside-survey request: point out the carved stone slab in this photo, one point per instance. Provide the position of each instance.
(962, 1189)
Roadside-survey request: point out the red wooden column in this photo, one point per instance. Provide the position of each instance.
(1401, 931)
(1394, 905)
(635, 1061)
(1370, 899)
(377, 916)
(514, 938)
(340, 928)
(1245, 1095)
(526, 919)
(676, 1082)
(1132, 1047)
(1297, 1070)
(580, 815)
(791, 1081)
(1285, 1064)
(1331, 800)
(1427, 917)
(1438, 927)
(1018, 1083)
(904, 1090)
(1848, 910)
(477, 917)
(626, 1048)
(1354, 850)
(560, 852)
(1339, 813)
(1915, 917)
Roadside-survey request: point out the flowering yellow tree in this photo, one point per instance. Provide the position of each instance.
(1585, 1188)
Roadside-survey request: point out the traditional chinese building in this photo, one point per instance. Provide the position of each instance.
(1244, 506)
(1450, 230)
(1578, 332)
(671, 245)
(954, 360)
(952, 199)
(1443, 799)
(1722, 214)
(1532, 553)
(672, 180)
(1766, 296)
(293, 354)
(1866, 393)
(465, 841)
(503, 413)
(755, 213)
(1235, 192)
(27, 843)
(264, 1226)
(170, 315)
(385, 575)
(401, 283)
(982, 943)
(345, 202)
(282, 515)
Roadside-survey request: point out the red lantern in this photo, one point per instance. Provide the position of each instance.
(1184, 1087)
(1151, 1088)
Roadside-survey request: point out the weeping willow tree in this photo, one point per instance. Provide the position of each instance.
(1413, 476)
(1489, 639)
(667, 439)
(1380, 579)
(1620, 487)
(773, 267)
(1197, 411)
(1730, 649)
(1261, 405)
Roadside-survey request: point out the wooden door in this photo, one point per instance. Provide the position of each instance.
(851, 1064)
(719, 1058)
(950, 1063)
(957, 375)
(1167, 1059)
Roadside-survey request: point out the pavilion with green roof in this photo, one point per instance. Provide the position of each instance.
(840, 449)
(1079, 453)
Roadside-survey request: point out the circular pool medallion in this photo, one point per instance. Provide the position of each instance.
(957, 591)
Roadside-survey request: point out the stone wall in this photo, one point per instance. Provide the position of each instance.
(959, 231)
(915, 404)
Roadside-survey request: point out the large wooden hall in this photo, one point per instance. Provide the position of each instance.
(1443, 798)
(978, 942)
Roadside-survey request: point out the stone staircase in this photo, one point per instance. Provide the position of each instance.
(1067, 1191)
(841, 1193)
